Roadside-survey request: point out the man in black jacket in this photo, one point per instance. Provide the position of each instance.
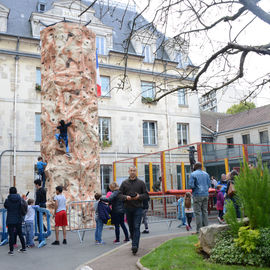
(14, 219)
(40, 200)
(133, 192)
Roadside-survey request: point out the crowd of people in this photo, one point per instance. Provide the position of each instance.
(130, 199)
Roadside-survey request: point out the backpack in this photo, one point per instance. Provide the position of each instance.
(24, 207)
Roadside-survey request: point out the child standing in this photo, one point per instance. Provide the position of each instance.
(188, 209)
(60, 215)
(220, 204)
(41, 173)
(29, 223)
(101, 217)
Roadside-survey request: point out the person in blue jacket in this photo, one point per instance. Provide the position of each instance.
(41, 166)
(200, 183)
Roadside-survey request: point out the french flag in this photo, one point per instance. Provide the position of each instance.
(98, 77)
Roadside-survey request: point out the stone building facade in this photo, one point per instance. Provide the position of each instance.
(128, 124)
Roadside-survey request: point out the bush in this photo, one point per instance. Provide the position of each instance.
(231, 219)
(253, 192)
(247, 238)
(226, 251)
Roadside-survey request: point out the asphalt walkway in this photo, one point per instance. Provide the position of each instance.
(74, 254)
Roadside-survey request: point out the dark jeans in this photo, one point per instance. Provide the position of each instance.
(134, 219)
(42, 178)
(11, 229)
(118, 220)
(189, 218)
(220, 214)
(236, 206)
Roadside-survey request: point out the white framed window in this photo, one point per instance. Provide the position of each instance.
(101, 45)
(105, 86)
(264, 136)
(148, 89)
(230, 142)
(182, 98)
(38, 79)
(246, 138)
(105, 177)
(182, 134)
(147, 53)
(104, 129)
(37, 127)
(149, 133)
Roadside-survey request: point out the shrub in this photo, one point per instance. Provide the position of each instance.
(247, 238)
(227, 252)
(231, 219)
(253, 191)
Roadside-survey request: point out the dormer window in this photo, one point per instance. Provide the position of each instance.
(147, 53)
(101, 45)
(41, 6)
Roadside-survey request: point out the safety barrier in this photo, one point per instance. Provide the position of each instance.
(3, 228)
(162, 208)
(81, 217)
(40, 233)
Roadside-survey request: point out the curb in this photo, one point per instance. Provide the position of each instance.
(140, 266)
(81, 266)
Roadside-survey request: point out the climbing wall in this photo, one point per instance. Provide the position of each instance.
(68, 70)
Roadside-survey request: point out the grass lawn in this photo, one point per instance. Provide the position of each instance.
(179, 253)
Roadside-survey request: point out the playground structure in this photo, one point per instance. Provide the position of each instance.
(173, 166)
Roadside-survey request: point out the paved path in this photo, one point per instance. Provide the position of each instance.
(122, 257)
(70, 256)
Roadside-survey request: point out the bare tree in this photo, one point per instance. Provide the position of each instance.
(218, 27)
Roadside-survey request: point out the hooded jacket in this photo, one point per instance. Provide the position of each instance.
(13, 206)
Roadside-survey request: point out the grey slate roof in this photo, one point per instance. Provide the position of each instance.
(20, 12)
(227, 122)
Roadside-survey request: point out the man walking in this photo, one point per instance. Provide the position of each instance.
(133, 192)
(200, 182)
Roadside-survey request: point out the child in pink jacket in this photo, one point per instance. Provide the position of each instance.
(220, 204)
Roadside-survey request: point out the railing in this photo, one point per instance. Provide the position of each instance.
(3, 228)
(40, 233)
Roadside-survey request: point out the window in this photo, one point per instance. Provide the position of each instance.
(105, 86)
(149, 133)
(148, 90)
(155, 175)
(101, 45)
(37, 128)
(182, 134)
(230, 140)
(104, 129)
(264, 136)
(182, 97)
(38, 79)
(246, 139)
(146, 52)
(179, 176)
(105, 177)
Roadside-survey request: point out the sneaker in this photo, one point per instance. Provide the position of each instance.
(219, 220)
(187, 227)
(100, 243)
(11, 253)
(134, 250)
(15, 246)
(65, 241)
(56, 243)
(116, 242)
(126, 240)
(145, 231)
(22, 250)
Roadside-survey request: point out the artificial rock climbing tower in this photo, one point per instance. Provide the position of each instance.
(68, 68)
